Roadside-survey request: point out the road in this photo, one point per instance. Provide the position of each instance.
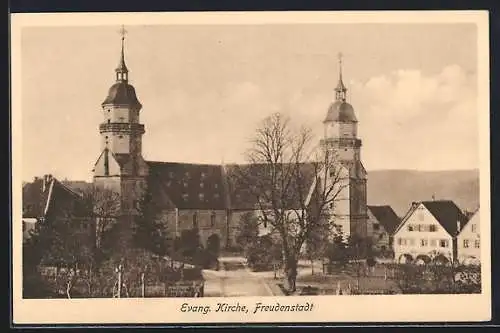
(234, 279)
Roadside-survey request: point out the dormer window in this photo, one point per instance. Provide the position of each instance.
(185, 197)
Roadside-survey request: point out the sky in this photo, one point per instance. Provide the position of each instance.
(204, 89)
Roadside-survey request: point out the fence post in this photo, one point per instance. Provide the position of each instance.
(120, 272)
(143, 285)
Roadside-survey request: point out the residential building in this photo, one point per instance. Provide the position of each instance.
(382, 222)
(469, 241)
(429, 230)
(47, 200)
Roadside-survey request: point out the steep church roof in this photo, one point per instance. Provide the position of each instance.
(189, 186)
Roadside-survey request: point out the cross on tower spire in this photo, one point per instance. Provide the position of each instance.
(340, 91)
(122, 70)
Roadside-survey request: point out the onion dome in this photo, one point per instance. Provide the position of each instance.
(340, 110)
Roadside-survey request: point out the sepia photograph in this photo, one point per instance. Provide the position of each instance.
(250, 167)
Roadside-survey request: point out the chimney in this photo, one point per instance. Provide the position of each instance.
(46, 181)
(458, 227)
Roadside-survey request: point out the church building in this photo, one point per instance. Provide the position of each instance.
(198, 195)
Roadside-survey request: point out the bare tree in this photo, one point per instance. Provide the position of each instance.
(104, 207)
(293, 183)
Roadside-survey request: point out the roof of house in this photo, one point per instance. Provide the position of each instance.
(44, 194)
(446, 212)
(386, 216)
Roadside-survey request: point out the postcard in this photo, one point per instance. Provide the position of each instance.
(250, 167)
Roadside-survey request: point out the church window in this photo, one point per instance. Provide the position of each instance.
(203, 175)
(477, 244)
(195, 220)
(466, 243)
(185, 184)
(201, 196)
(185, 197)
(212, 219)
(216, 185)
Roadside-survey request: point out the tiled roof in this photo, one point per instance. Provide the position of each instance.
(340, 111)
(386, 216)
(44, 195)
(122, 93)
(189, 186)
(447, 213)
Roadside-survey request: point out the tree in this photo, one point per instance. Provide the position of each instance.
(150, 232)
(294, 184)
(104, 207)
(248, 230)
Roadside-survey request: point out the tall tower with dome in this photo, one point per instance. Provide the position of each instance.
(341, 139)
(120, 165)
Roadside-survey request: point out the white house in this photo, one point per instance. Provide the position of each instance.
(429, 231)
(468, 241)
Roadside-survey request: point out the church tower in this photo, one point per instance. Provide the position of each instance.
(341, 140)
(120, 165)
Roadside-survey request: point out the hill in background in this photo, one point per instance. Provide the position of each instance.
(399, 188)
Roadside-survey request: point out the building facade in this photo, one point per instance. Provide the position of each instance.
(382, 221)
(428, 231)
(469, 241)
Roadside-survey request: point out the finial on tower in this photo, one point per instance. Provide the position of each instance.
(122, 70)
(340, 91)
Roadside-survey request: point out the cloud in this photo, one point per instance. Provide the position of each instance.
(428, 120)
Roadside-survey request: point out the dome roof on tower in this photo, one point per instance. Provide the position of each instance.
(122, 93)
(340, 111)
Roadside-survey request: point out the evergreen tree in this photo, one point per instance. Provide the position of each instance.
(150, 232)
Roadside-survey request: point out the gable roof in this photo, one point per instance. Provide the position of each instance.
(386, 216)
(446, 212)
(188, 186)
(45, 194)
